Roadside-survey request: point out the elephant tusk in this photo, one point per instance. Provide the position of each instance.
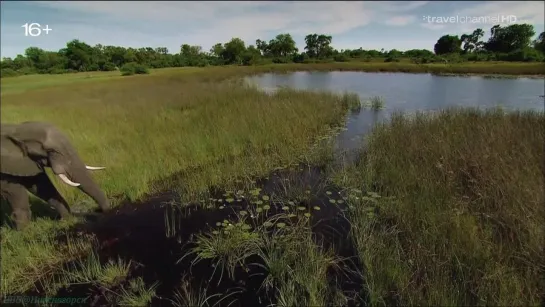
(94, 168)
(68, 181)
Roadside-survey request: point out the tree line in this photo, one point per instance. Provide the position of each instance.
(508, 43)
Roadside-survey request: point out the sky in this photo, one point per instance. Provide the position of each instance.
(399, 25)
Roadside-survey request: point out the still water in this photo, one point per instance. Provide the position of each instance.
(410, 93)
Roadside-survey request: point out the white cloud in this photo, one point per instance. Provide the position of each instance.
(400, 20)
(208, 22)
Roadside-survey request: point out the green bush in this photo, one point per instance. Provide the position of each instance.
(300, 57)
(341, 58)
(108, 67)
(391, 59)
(8, 72)
(281, 60)
(133, 68)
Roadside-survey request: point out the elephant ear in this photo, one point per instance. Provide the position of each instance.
(13, 161)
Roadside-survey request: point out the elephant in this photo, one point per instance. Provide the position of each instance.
(26, 149)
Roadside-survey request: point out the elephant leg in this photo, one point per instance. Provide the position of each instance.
(17, 196)
(43, 188)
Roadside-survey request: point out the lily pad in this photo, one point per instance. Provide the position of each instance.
(307, 214)
(332, 201)
(285, 208)
(258, 210)
(268, 224)
(301, 208)
(316, 208)
(230, 200)
(281, 225)
(215, 232)
(328, 192)
(266, 207)
(243, 213)
(265, 197)
(218, 223)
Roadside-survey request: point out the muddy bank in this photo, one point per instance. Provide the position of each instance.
(155, 234)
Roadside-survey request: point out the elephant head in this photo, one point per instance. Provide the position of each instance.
(30, 146)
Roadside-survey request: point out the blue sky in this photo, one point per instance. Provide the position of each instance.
(370, 25)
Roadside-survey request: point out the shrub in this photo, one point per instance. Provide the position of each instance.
(524, 55)
(132, 68)
(391, 59)
(300, 57)
(8, 72)
(108, 67)
(341, 58)
(281, 60)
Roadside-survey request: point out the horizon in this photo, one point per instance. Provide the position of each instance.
(368, 25)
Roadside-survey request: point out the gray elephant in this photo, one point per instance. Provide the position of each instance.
(29, 147)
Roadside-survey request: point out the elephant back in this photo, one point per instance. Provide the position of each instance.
(14, 162)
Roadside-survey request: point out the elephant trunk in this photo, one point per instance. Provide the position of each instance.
(76, 174)
(87, 185)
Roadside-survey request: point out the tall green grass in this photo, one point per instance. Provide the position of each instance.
(186, 129)
(146, 129)
(465, 224)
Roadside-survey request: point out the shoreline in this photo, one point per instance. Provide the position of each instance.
(494, 69)
(513, 70)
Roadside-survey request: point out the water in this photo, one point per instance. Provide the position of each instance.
(410, 93)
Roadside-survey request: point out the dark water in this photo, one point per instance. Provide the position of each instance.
(410, 93)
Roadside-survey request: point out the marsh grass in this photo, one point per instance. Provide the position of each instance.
(34, 256)
(295, 263)
(375, 103)
(90, 270)
(466, 224)
(186, 295)
(136, 293)
(352, 100)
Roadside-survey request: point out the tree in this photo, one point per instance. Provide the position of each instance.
(318, 46)
(472, 41)
(311, 47)
(190, 51)
(233, 51)
(251, 56)
(510, 38)
(447, 44)
(539, 43)
(78, 55)
(262, 46)
(217, 50)
(282, 46)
